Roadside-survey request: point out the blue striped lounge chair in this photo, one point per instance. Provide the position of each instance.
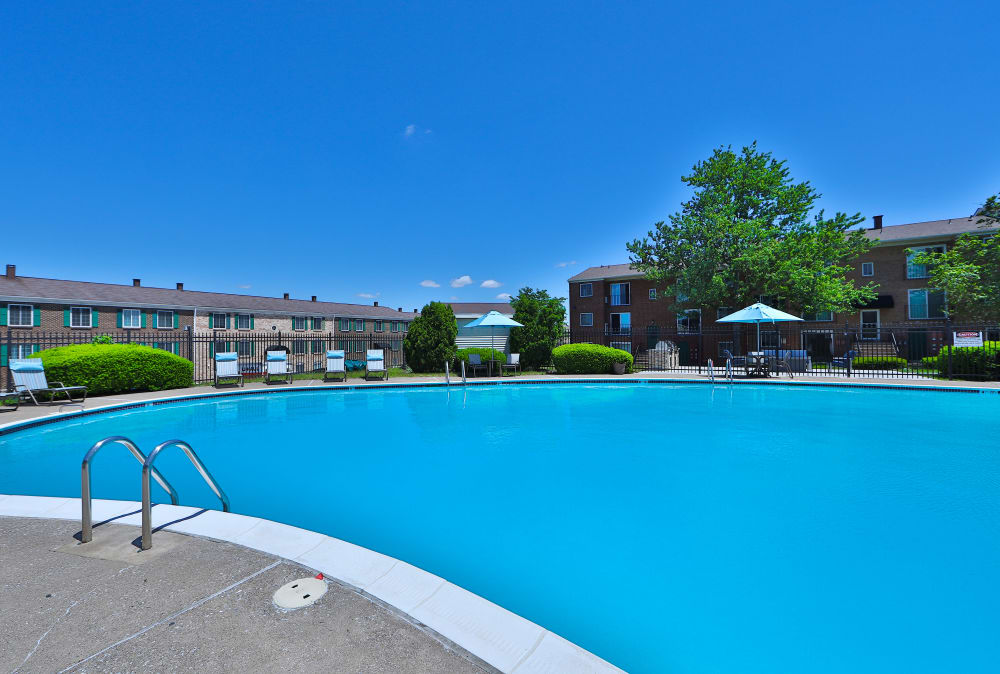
(29, 381)
(227, 366)
(336, 366)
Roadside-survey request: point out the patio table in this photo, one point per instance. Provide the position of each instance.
(760, 364)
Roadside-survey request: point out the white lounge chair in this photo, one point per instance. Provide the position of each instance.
(513, 364)
(227, 366)
(277, 366)
(29, 379)
(336, 366)
(375, 364)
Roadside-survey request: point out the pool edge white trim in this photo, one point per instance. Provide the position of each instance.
(490, 632)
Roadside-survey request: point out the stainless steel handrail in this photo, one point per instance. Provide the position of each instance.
(147, 468)
(729, 370)
(711, 371)
(86, 524)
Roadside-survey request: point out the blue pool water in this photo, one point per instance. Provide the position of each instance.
(663, 527)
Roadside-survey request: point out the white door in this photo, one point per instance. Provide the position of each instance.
(870, 324)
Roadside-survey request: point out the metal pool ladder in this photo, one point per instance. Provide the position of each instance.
(86, 534)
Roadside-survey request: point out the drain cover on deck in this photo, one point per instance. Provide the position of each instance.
(299, 593)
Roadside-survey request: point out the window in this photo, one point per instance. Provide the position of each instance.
(131, 318)
(359, 325)
(298, 323)
(652, 293)
(164, 319)
(818, 316)
(317, 323)
(79, 317)
(378, 326)
(586, 320)
(221, 347)
(318, 346)
(726, 346)
(22, 350)
(244, 322)
(167, 346)
(620, 294)
(722, 312)
(689, 322)
(927, 303)
(624, 346)
(586, 290)
(20, 315)
(299, 346)
(621, 324)
(244, 348)
(218, 321)
(769, 300)
(345, 324)
(868, 269)
(920, 270)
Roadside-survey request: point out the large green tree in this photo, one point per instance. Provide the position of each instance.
(543, 318)
(969, 271)
(749, 230)
(430, 341)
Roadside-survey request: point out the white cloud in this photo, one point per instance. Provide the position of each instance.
(370, 296)
(490, 283)
(453, 298)
(503, 296)
(427, 283)
(245, 287)
(410, 130)
(461, 281)
(566, 264)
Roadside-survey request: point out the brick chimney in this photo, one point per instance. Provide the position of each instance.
(180, 286)
(135, 283)
(375, 303)
(314, 298)
(286, 296)
(11, 271)
(400, 309)
(878, 222)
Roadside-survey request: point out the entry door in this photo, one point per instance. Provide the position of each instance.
(870, 324)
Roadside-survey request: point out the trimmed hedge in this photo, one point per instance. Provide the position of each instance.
(878, 363)
(116, 368)
(589, 359)
(976, 362)
(484, 355)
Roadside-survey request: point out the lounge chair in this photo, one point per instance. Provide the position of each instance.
(845, 361)
(336, 366)
(513, 364)
(29, 380)
(475, 363)
(375, 364)
(227, 366)
(277, 366)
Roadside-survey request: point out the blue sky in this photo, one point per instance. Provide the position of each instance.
(356, 150)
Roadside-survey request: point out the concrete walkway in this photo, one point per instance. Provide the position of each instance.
(199, 605)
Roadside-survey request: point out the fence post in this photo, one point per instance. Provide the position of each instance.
(8, 382)
(190, 340)
(949, 339)
(701, 346)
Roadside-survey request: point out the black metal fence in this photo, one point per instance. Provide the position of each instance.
(306, 350)
(900, 350)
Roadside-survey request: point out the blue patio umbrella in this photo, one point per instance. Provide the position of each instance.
(493, 319)
(759, 313)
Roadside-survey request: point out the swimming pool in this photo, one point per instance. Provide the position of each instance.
(662, 527)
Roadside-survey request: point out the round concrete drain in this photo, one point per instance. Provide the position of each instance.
(299, 593)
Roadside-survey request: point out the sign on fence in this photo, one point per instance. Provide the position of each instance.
(968, 339)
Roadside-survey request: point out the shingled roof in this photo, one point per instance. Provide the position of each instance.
(33, 289)
(606, 271)
(465, 309)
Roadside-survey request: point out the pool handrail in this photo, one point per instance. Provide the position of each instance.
(147, 468)
(86, 514)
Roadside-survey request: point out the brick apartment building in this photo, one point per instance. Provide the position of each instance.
(617, 302)
(31, 305)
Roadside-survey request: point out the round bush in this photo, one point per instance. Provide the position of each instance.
(116, 368)
(589, 359)
(430, 341)
(878, 363)
(484, 355)
(976, 362)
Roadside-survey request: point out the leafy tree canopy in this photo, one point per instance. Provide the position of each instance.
(543, 319)
(747, 232)
(430, 341)
(969, 271)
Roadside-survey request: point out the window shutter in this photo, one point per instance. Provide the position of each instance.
(35, 348)
(142, 321)
(177, 348)
(153, 315)
(38, 317)
(3, 354)
(3, 315)
(211, 349)
(66, 317)
(94, 318)
(251, 321)
(227, 321)
(229, 346)
(253, 348)
(119, 319)
(177, 320)
(211, 320)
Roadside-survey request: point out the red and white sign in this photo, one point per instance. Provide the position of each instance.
(968, 339)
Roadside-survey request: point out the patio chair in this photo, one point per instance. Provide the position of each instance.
(336, 366)
(475, 363)
(737, 361)
(227, 366)
(277, 366)
(29, 380)
(375, 364)
(845, 361)
(513, 364)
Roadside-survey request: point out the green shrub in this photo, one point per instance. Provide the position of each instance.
(542, 318)
(430, 341)
(484, 355)
(589, 359)
(102, 339)
(968, 361)
(878, 363)
(116, 368)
